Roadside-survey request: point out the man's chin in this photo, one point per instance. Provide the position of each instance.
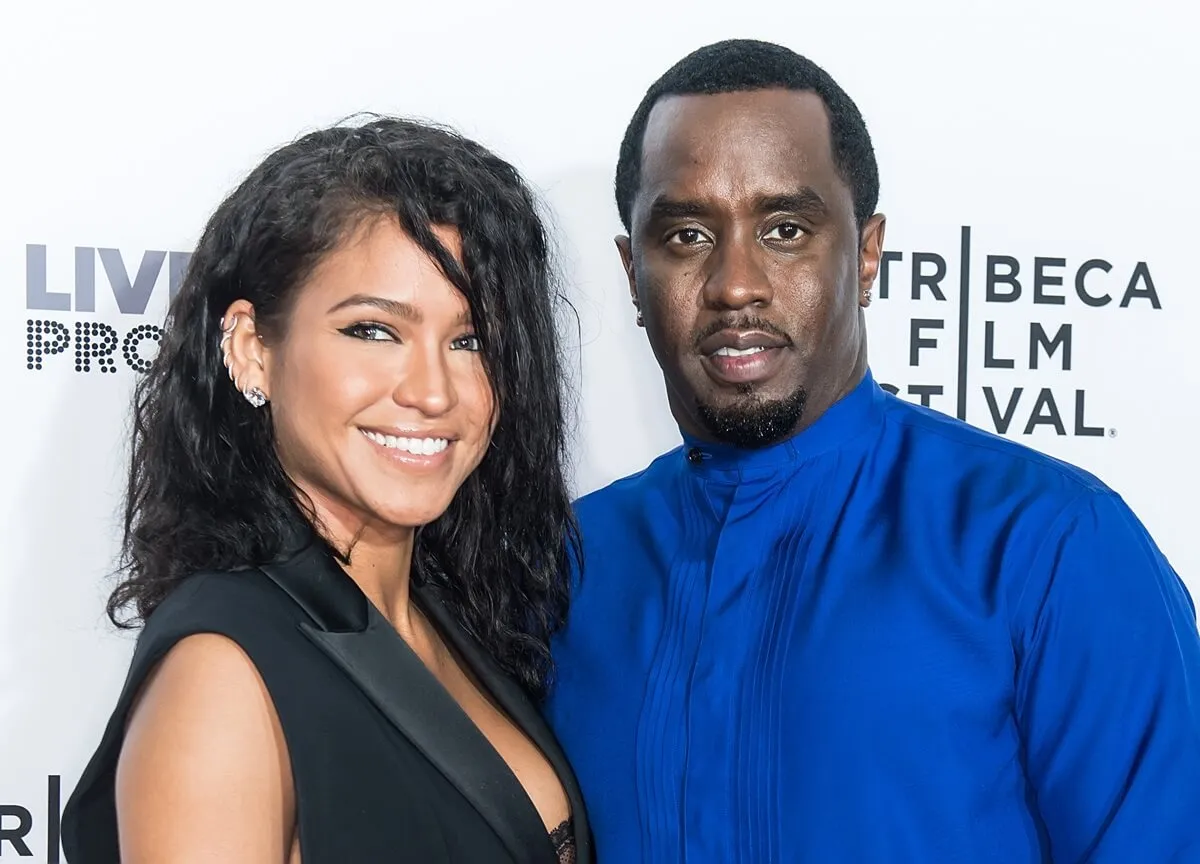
(752, 421)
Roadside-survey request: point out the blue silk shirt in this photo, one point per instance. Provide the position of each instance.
(891, 638)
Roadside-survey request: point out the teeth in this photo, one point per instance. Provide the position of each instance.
(416, 446)
(738, 352)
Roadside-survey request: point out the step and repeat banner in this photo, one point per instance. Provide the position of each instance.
(1038, 173)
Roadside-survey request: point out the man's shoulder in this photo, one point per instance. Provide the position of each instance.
(632, 490)
(971, 454)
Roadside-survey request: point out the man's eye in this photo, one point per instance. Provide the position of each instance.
(687, 237)
(787, 231)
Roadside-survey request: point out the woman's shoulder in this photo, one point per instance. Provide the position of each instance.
(203, 721)
(243, 606)
(195, 706)
(215, 597)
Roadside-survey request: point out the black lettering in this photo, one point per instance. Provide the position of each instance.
(925, 391)
(1141, 273)
(1081, 428)
(1043, 280)
(131, 346)
(15, 836)
(990, 360)
(891, 388)
(888, 258)
(964, 317)
(43, 339)
(921, 279)
(1001, 421)
(1037, 336)
(1081, 288)
(1045, 413)
(54, 809)
(995, 279)
(917, 341)
(95, 340)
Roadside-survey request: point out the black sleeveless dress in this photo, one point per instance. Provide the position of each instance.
(386, 766)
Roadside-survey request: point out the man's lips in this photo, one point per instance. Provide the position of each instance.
(752, 368)
(741, 356)
(740, 341)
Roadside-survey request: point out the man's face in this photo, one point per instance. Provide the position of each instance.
(747, 265)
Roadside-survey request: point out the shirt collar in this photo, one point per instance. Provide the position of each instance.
(846, 419)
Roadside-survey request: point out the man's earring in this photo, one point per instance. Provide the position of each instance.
(641, 322)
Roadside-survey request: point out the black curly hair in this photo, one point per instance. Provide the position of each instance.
(206, 490)
(738, 65)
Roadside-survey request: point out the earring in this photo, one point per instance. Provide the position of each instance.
(227, 332)
(867, 296)
(641, 322)
(226, 335)
(254, 395)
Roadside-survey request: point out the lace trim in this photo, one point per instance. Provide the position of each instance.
(563, 839)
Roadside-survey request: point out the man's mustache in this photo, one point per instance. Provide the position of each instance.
(741, 322)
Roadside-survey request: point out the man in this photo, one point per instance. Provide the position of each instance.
(834, 626)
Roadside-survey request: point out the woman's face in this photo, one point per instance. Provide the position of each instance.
(378, 396)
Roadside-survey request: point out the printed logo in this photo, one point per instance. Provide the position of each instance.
(953, 292)
(98, 341)
(16, 823)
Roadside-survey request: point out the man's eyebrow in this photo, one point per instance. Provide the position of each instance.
(803, 202)
(670, 208)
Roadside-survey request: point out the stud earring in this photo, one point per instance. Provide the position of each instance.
(641, 322)
(867, 296)
(256, 397)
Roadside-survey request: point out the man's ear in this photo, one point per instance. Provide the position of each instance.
(870, 253)
(625, 250)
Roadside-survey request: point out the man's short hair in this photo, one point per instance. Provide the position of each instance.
(738, 65)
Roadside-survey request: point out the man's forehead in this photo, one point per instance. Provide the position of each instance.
(759, 142)
(692, 122)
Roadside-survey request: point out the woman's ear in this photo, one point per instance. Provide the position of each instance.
(243, 353)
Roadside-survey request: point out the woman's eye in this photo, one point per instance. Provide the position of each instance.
(370, 332)
(469, 342)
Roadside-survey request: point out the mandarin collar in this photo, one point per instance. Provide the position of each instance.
(855, 413)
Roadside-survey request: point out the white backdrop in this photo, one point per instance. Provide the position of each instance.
(1061, 134)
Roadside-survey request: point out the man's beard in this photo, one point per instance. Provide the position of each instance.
(752, 422)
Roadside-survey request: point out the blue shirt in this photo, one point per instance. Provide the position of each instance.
(891, 638)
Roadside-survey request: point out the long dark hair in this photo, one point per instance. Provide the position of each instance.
(206, 489)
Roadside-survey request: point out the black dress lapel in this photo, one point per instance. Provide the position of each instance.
(520, 709)
(348, 628)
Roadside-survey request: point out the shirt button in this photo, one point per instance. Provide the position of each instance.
(695, 455)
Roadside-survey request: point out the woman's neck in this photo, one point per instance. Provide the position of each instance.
(381, 567)
(379, 561)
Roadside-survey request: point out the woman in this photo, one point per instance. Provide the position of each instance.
(346, 528)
